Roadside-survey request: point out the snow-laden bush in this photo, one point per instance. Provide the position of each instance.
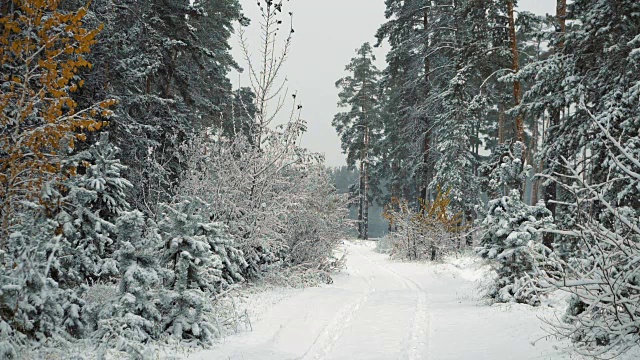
(512, 239)
(384, 245)
(429, 233)
(316, 220)
(603, 277)
(275, 198)
(246, 184)
(603, 317)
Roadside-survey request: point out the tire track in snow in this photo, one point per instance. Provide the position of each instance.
(331, 333)
(417, 345)
(419, 337)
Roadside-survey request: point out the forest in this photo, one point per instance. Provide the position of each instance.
(141, 189)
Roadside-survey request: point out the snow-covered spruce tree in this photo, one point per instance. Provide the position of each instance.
(510, 227)
(233, 262)
(93, 202)
(512, 239)
(132, 319)
(193, 252)
(32, 305)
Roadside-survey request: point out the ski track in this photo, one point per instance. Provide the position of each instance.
(378, 309)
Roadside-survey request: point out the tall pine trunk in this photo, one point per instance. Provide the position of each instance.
(365, 200)
(396, 191)
(361, 202)
(515, 67)
(551, 191)
(536, 181)
(501, 121)
(426, 150)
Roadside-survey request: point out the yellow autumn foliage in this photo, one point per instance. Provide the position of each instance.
(41, 55)
(424, 232)
(436, 211)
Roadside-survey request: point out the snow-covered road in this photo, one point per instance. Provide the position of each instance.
(381, 309)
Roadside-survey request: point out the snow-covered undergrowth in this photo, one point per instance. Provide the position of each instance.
(233, 312)
(465, 264)
(168, 275)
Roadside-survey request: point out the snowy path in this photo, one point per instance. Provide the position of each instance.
(380, 309)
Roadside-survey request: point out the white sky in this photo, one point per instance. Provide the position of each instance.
(327, 32)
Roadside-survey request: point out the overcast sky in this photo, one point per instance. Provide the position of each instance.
(327, 33)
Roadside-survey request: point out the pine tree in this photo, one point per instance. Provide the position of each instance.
(409, 89)
(359, 128)
(455, 168)
(394, 151)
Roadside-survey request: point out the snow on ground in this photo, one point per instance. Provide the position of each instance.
(382, 309)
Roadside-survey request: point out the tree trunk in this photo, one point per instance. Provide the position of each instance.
(501, 116)
(536, 181)
(396, 192)
(561, 14)
(551, 191)
(515, 67)
(361, 202)
(424, 195)
(365, 205)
